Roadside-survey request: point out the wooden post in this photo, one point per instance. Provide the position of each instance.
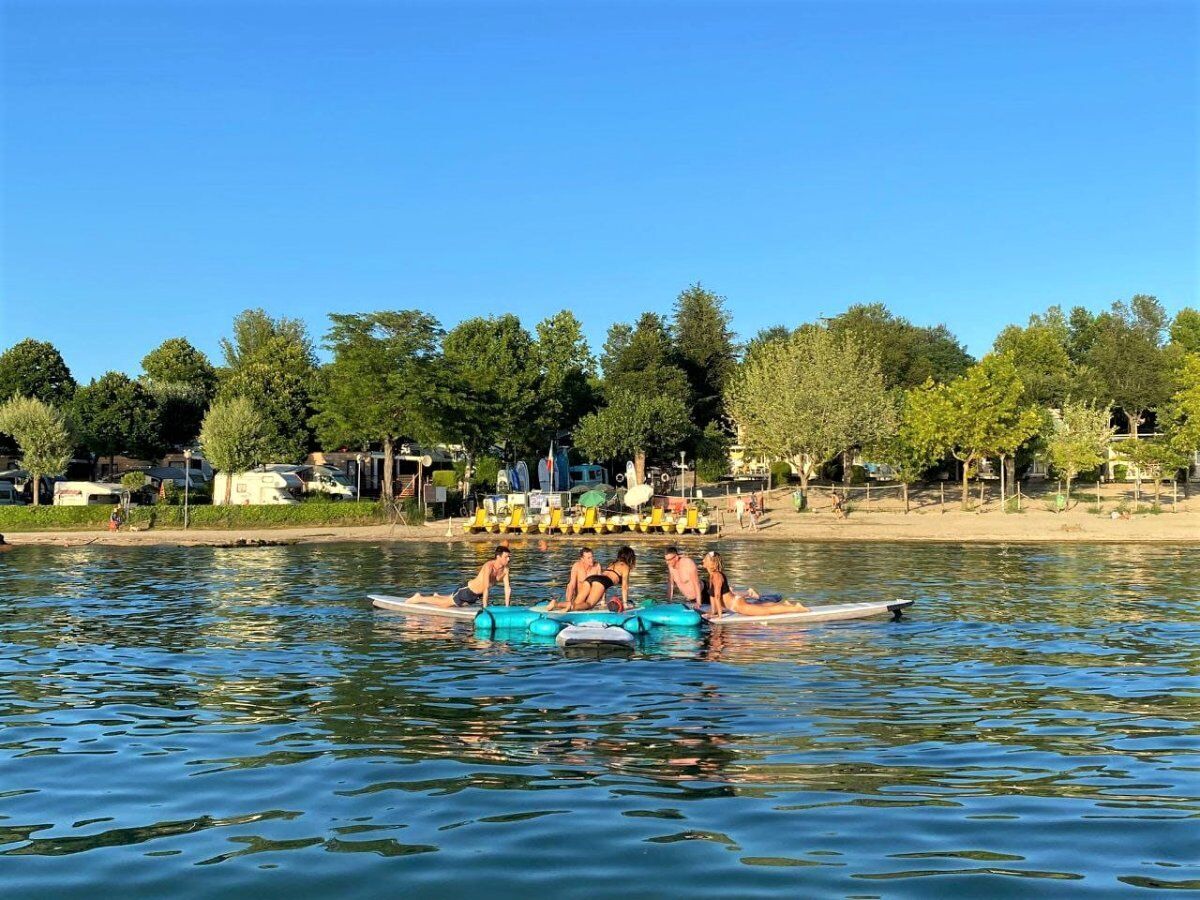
(1018, 496)
(1174, 496)
(942, 491)
(868, 496)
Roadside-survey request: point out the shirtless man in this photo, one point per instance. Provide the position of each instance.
(683, 574)
(584, 566)
(475, 591)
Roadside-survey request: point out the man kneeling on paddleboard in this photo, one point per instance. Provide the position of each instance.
(584, 567)
(475, 591)
(725, 600)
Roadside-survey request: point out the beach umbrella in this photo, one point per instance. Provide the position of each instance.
(592, 498)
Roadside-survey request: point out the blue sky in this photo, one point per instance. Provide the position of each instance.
(168, 163)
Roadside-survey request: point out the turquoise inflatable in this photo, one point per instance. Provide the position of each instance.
(504, 618)
(544, 627)
(672, 614)
(521, 618)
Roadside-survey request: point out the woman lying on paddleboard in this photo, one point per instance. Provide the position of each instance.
(596, 586)
(725, 600)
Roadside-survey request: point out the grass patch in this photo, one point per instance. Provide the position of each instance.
(95, 518)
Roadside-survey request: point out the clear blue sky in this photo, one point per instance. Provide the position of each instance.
(168, 163)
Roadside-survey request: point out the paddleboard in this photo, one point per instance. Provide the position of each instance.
(834, 612)
(523, 476)
(594, 635)
(414, 606)
(544, 475)
(562, 471)
(631, 479)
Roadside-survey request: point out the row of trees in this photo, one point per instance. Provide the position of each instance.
(863, 379)
(807, 395)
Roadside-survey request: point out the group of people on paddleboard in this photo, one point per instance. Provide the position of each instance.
(590, 584)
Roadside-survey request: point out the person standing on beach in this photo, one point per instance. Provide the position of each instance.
(584, 567)
(739, 510)
(682, 573)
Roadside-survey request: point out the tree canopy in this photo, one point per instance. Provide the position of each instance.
(1078, 439)
(232, 437)
(634, 424)
(116, 415)
(702, 334)
(810, 397)
(908, 354)
(567, 390)
(183, 383)
(35, 369)
(41, 433)
(1126, 360)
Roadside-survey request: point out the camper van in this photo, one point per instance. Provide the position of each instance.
(88, 493)
(319, 480)
(9, 495)
(258, 487)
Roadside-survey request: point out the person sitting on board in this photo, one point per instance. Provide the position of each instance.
(725, 600)
(683, 574)
(585, 566)
(475, 591)
(596, 586)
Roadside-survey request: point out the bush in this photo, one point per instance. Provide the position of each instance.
(781, 473)
(170, 494)
(486, 470)
(445, 478)
(858, 475)
(95, 518)
(1120, 472)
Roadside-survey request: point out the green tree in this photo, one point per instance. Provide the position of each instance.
(41, 434)
(979, 414)
(183, 383)
(567, 391)
(766, 336)
(115, 414)
(1126, 358)
(908, 354)
(705, 349)
(643, 358)
(35, 369)
(1039, 352)
(271, 363)
(910, 449)
(1181, 416)
(634, 424)
(384, 383)
(1185, 330)
(493, 366)
(1078, 439)
(1152, 458)
(807, 398)
(232, 438)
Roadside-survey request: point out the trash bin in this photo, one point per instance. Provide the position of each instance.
(798, 500)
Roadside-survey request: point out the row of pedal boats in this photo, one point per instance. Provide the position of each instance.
(622, 626)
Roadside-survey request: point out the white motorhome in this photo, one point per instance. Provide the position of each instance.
(319, 480)
(258, 487)
(88, 493)
(9, 495)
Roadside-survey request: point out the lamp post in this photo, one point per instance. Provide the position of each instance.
(358, 472)
(187, 482)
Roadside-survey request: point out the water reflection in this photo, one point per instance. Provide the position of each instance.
(168, 716)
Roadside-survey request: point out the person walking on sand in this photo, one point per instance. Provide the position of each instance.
(584, 567)
(724, 600)
(752, 512)
(475, 592)
(739, 510)
(683, 574)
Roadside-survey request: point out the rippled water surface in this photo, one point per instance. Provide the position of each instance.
(240, 722)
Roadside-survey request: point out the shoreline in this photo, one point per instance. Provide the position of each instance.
(956, 527)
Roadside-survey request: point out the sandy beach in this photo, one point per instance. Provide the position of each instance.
(954, 525)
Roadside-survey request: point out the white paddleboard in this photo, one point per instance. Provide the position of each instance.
(835, 612)
(414, 606)
(588, 635)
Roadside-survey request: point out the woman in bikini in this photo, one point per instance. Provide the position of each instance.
(725, 600)
(596, 586)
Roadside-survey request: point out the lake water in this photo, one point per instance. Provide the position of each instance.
(240, 722)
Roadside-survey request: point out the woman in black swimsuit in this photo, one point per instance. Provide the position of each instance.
(617, 573)
(725, 600)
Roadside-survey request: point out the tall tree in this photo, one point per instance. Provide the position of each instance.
(910, 449)
(41, 434)
(1078, 439)
(1127, 360)
(35, 369)
(232, 438)
(634, 424)
(979, 414)
(908, 354)
(1181, 415)
(766, 336)
(1039, 352)
(183, 383)
(115, 414)
(567, 391)
(1185, 330)
(271, 362)
(705, 348)
(384, 383)
(643, 358)
(807, 398)
(493, 366)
